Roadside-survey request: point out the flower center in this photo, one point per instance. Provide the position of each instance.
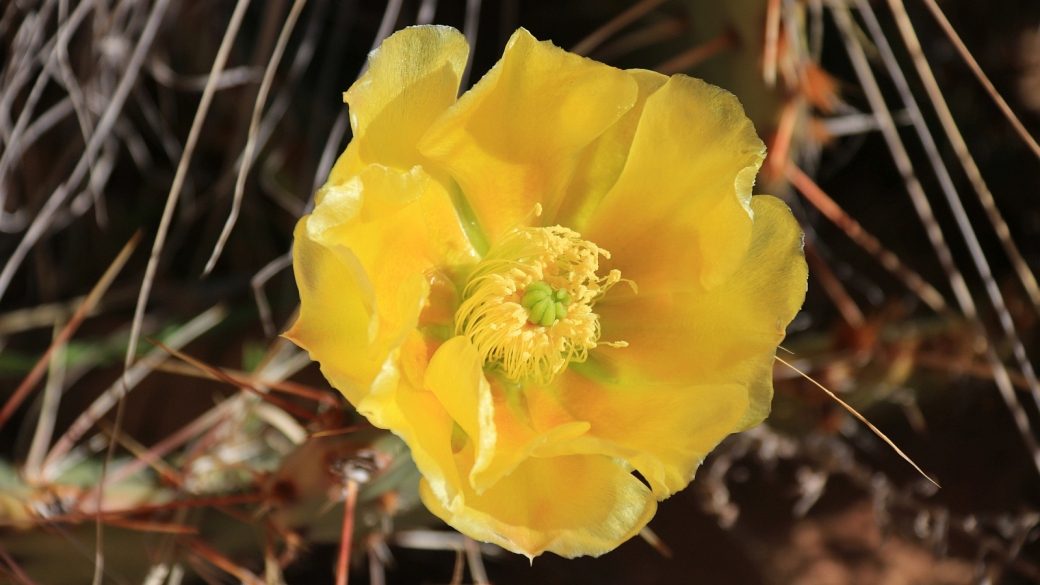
(527, 307)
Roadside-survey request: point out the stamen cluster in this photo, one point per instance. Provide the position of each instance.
(527, 307)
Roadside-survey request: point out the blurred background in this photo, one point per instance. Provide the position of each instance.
(155, 156)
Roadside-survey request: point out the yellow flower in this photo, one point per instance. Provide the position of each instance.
(556, 280)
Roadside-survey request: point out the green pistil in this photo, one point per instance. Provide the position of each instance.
(546, 305)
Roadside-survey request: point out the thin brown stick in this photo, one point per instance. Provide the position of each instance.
(62, 338)
(476, 561)
(862, 419)
(83, 423)
(944, 363)
(848, 308)
(644, 37)
(655, 541)
(293, 388)
(162, 448)
(843, 19)
(460, 567)
(470, 28)
(867, 241)
(347, 534)
(104, 126)
(691, 58)
(245, 385)
(48, 417)
(14, 568)
(586, 45)
(148, 526)
(225, 564)
(770, 54)
(979, 74)
(161, 467)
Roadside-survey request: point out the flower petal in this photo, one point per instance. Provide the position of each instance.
(603, 160)
(664, 431)
(334, 317)
(402, 229)
(680, 333)
(417, 416)
(512, 141)
(688, 178)
(527, 418)
(412, 78)
(456, 378)
(504, 431)
(572, 506)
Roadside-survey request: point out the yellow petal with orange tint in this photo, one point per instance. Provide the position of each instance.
(572, 506)
(688, 179)
(680, 333)
(663, 431)
(412, 78)
(513, 140)
(603, 160)
(334, 314)
(402, 229)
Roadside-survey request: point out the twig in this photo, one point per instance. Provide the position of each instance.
(48, 411)
(693, 57)
(14, 147)
(1025, 275)
(772, 43)
(586, 45)
(14, 568)
(181, 337)
(328, 154)
(649, 35)
(850, 312)
(163, 447)
(254, 126)
(347, 534)
(868, 242)
(476, 561)
(257, 283)
(182, 170)
(974, 65)
(112, 112)
(81, 313)
(220, 561)
(843, 19)
(427, 10)
(895, 144)
(245, 385)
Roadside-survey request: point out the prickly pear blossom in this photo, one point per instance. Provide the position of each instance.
(552, 282)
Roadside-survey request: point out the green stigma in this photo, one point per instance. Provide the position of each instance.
(545, 305)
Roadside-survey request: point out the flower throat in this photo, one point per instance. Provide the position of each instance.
(527, 307)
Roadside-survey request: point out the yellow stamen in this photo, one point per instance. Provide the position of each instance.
(527, 307)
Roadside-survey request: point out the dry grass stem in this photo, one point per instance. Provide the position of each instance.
(861, 418)
(895, 144)
(246, 163)
(897, 6)
(181, 337)
(88, 305)
(957, 141)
